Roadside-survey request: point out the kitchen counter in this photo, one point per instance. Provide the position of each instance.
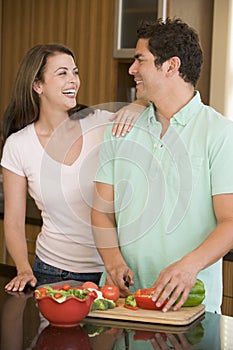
(22, 327)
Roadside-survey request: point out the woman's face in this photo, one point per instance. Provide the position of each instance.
(60, 83)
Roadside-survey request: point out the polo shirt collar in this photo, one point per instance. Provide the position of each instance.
(187, 113)
(184, 115)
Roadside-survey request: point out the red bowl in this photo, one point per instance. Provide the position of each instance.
(68, 313)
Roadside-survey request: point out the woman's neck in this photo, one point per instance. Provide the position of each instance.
(48, 123)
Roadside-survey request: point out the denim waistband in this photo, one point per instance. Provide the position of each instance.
(46, 273)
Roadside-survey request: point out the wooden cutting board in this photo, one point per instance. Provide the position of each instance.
(184, 316)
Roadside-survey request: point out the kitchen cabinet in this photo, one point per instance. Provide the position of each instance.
(32, 231)
(2, 243)
(227, 305)
(86, 26)
(128, 14)
(199, 15)
(124, 81)
(103, 77)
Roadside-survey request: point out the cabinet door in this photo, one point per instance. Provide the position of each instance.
(2, 244)
(128, 15)
(86, 26)
(31, 235)
(227, 305)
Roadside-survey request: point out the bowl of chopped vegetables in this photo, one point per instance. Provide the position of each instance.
(63, 305)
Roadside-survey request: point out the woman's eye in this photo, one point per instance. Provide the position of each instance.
(62, 73)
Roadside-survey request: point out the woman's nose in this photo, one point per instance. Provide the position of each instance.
(72, 76)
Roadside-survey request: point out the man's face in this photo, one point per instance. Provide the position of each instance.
(149, 78)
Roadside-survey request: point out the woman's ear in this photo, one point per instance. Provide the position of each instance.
(37, 87)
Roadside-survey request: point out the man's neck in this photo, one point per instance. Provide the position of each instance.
(166, 108)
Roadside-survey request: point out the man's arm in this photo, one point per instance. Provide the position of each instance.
(105, 235)
(181, 275)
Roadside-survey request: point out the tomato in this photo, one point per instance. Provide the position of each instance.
(90, 285)
(110, 292)
(42, 292)
(66, 287)
(144, 299)
(57, 295)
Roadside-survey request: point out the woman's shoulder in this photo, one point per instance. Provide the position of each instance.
(20, 134)
(99, 117)
(20, 138)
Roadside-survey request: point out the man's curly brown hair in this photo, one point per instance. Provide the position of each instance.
(171, 38)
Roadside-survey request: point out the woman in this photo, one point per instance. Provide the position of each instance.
(53, 157)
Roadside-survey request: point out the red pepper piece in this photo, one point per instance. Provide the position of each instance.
(130, 307)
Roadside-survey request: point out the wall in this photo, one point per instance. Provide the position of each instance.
(199, 15)
(86, 26)
(221, 85)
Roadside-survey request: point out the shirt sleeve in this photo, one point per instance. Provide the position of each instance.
(11, 156)
(105, 169)
(221, 156)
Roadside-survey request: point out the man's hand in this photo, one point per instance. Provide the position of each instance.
(122, 277)
(176, 279)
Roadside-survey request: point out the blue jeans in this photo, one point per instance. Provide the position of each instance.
(46, 274)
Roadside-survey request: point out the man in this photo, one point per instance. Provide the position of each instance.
(163, 209)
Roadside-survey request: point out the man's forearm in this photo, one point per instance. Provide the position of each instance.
(106, 240)
(104, 230)
(214, 247)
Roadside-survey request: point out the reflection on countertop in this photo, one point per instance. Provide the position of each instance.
(22, 327)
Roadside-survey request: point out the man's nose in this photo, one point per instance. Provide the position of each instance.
(132, 68)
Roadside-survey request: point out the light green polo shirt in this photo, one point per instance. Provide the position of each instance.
(163, 189)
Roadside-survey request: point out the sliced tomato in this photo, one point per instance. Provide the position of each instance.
(66, 287)
(111, 292)
(90, 285)
(144, 299)
(40, 292)
(58, 295)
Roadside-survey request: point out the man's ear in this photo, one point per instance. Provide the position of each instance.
(174, 64)
(37, 87)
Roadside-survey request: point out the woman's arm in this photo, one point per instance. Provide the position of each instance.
(15, 191)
